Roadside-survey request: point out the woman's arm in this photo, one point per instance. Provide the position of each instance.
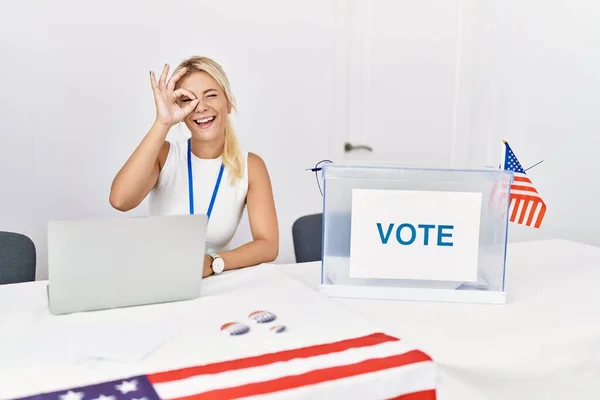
(140, 173)
(263, 222)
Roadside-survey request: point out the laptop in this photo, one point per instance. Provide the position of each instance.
(99, 264)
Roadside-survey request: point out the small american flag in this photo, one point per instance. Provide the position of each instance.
(366, 367)
(526, 204)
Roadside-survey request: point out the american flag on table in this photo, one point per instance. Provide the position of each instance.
(526, 204)
(375, 366)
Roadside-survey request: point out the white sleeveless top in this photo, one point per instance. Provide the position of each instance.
(170, 196)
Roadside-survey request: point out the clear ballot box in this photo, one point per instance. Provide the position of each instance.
(405, 233)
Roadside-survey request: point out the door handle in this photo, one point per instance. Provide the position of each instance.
(350, 147)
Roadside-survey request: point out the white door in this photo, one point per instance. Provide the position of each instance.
(403, 91)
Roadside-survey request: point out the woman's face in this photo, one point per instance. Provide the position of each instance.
(207, 120)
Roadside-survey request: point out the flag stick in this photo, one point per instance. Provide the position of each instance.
(502, 154)
(534, 165)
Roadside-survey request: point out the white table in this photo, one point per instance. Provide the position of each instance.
(41, 353)
(543, 344)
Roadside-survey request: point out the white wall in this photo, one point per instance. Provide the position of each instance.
(544, 101)
(75, 97)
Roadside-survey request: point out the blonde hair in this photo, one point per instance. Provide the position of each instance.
(232, 157)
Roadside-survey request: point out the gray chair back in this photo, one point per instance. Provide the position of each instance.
(306, 234)
(17, 258)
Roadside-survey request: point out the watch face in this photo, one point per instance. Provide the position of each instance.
(218, 265)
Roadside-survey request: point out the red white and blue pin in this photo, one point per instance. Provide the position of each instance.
(235, 328)
(262, 317)
(277, 329)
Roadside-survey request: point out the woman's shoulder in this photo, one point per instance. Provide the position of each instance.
(257, 168)
(254, 159)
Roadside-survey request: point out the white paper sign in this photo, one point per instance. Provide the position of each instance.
(422, 235)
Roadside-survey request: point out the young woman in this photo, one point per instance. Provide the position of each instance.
(207, 173)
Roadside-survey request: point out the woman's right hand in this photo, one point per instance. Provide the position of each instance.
(168, 111)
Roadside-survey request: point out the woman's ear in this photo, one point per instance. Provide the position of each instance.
(228, 108)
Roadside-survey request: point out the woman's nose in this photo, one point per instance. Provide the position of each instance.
(201, 106)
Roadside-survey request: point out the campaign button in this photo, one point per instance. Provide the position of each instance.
(277, 329)
(262, 316)
(235, 328)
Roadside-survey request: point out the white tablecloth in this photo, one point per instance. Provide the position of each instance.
(543, 344)
(42, 353)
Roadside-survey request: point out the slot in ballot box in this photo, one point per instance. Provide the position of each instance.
(395, 232)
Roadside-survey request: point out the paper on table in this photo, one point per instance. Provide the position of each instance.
(122, 342)
(120, 335)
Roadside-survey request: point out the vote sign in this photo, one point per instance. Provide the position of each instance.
(419, 235)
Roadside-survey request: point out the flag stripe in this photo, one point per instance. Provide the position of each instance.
(532, 213)
(526, 194)
(525, 209)
(530, 208)
(202, 383)
(515, 190)
(385, 384)
(312, 377)
(526, 197)
(523, 188)
(515, 203)
(540, 217)
(265, 359)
